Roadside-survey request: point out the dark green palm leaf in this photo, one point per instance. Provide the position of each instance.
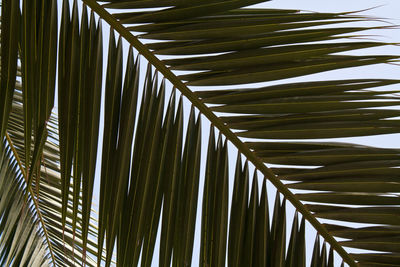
(150, 175)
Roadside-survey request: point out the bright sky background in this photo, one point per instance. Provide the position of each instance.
(384, 9)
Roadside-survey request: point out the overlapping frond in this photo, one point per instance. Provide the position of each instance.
(63, 241)
(38, 158)
(21, 241)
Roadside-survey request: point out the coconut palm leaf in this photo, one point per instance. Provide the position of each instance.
(151, 158)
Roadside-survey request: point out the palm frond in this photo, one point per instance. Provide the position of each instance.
(10, 20)
(41, 187)
(256, 47)
(151, 161)
(21, 241)
(63, 241)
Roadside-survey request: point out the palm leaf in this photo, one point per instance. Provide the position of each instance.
(151, 156)
(63, 242)
(38, 197)
(21, 242)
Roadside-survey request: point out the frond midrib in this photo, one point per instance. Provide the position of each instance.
(217, 122)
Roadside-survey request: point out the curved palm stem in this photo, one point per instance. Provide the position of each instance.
(242, 147)
(33, 196)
